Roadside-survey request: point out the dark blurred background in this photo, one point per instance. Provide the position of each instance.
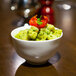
(25, 9)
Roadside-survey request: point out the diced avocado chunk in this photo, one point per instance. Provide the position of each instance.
(50, 27)
(42, 36)
(32, 34)
(35, 29)
(22, 35)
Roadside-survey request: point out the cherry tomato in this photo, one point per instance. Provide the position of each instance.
(38, 22)
(33, 21)
(44, 22)
(45, 18)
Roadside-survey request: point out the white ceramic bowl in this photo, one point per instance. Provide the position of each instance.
(35, 51)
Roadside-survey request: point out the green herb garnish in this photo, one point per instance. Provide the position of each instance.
(39, 20)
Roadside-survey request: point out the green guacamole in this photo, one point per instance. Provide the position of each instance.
(34, 34)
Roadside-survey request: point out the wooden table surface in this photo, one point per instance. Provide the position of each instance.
(13, 65)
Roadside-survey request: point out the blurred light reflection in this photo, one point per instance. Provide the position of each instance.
(66, 6)
(25, 1)
(26, 12)
(47, 10)
(13, 8)
(67, 21)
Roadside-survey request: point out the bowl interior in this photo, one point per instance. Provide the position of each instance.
(15, 31)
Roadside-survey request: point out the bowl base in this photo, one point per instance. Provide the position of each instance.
(52, 60)
(33, 63)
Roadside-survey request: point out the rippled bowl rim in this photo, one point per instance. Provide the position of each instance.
(33, 41)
